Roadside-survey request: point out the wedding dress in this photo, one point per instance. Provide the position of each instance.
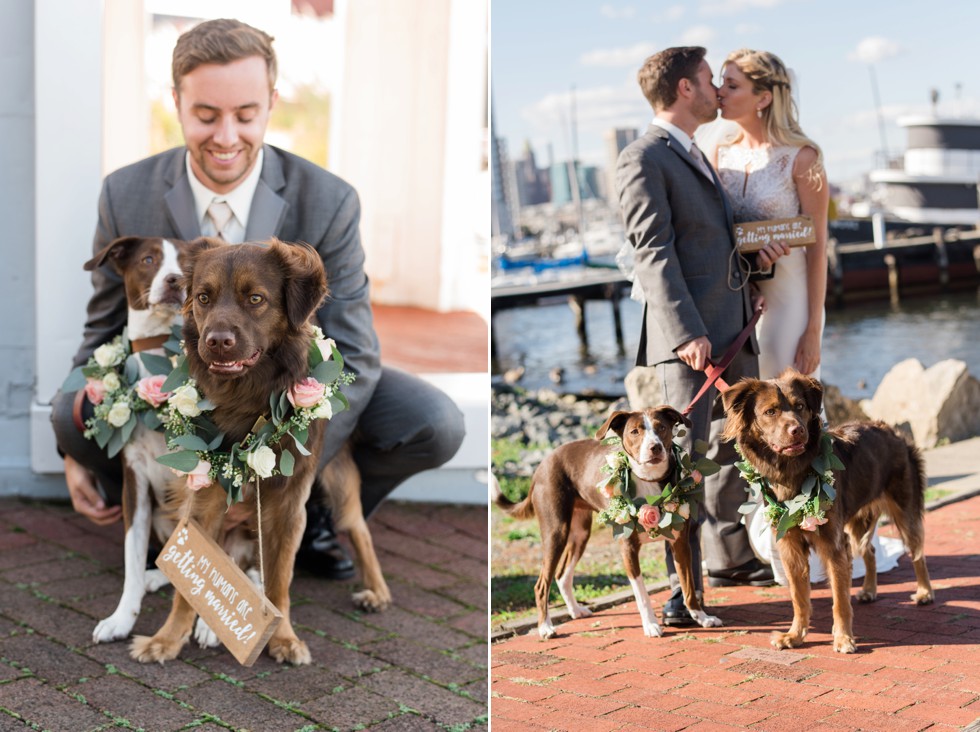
(759, 182)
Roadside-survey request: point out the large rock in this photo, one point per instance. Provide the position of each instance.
(838, 408)
(941, 402)
(643, 388)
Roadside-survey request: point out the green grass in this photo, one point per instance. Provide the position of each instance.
(934, 494)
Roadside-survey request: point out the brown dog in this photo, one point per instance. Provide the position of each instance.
(563, 496)
(247, 335)
(777, 425)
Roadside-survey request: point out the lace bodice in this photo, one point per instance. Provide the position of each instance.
(759, 181)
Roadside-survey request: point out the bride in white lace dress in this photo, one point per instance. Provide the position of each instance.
(772, 170)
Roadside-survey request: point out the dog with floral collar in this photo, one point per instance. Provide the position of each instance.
(579, 479)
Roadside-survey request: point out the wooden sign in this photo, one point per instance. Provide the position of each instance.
(751, 236)
(222, 594)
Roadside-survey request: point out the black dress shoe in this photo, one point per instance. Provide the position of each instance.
(675, 613)
(753, 572)
(320, 553)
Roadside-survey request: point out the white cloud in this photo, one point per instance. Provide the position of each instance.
(698, 35)
(674, 12)
(874, 49)
(744, 29)
(615, 13)
(631, 56)
(732, 7)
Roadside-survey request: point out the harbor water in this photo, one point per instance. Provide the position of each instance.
(861, 342)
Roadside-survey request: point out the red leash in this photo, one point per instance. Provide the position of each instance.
(714, 372)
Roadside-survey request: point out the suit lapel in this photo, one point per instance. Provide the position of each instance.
(268, 207)
(180, 201)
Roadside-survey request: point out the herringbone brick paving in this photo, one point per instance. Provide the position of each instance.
(421, 665)
(917, 668)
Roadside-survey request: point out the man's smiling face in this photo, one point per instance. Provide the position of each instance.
(224, 111)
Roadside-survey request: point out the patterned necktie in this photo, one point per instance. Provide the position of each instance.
(702, 163)
(220, 214)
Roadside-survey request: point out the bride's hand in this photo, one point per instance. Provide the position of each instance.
(768, 255)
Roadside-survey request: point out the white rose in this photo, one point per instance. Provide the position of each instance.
(119, 414)
(109, 354)
(185, 400)
(262, 461)
(323, 410)
(111, 381)
(326, 346)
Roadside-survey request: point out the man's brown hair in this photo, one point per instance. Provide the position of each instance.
(221, 42)
(663, 71)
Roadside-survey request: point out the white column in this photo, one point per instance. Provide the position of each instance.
(407, 136)
(68, 171)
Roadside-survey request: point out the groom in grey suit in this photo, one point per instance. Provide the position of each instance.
(679, 222)
(224, 88)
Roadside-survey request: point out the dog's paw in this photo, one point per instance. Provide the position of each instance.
(147, 650)
(779, 641)
(844, 644)
(866, 596)
(546, 630)
(290, 650)
(653, 630)
(922, 597)
(372, 601)
(705, 620)
(113, 628)
(154, 579)
(579, 611)
(205, 637)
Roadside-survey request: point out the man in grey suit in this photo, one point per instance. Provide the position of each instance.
(679, 222)
(224, 74)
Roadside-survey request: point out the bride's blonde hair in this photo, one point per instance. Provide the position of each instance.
(767, 72)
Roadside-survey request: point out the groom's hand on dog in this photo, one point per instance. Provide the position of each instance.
(85, 497)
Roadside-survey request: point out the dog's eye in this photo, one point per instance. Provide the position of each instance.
(256, 299)
(148, 259)
(799, 407)
(770, 412)
(203, 299)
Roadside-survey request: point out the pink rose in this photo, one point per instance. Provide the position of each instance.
(608, 490)
(696, 474)
(648, 516)
(306, 393)
(671, 506)
(198, 477)
(148, 390)
(94, 390)
(810, 523)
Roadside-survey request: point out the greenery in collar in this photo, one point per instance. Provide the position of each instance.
(656, 515)
(168, 399)
(120, 397)
(809, 507)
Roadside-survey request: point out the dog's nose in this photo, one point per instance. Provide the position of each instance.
(172, 281)
(795, 429)
(220, 340)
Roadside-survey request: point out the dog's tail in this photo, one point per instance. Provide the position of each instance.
(917, 467)
(522, 510)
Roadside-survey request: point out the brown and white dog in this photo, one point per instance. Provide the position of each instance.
(151, 272)
(777, 425)
(247, 334)
(563, 496)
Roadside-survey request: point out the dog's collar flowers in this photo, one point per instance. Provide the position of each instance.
(656, 515)
(112, 383)
(808, 509)
(195, 441)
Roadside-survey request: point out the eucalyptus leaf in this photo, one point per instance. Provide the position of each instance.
(327, 372)
(701, 447)
(177, 377)
(131, 369)
(786, 522)
(835, 462)
(286, 463)
(74, 381)
(151, 419)
(306, 453)
(184, 460)
(115, 444)
(191, 442)
(809, 485)
(127, 429)
(156, 365)
(103, 432)
(707, 467)
(338, 403)
(748, 507)
(314, 357)
(829, 491)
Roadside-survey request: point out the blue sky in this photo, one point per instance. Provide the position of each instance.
(541, 49)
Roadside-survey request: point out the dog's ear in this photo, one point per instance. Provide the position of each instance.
(671, 414)
(737, 401)
(616, 423)
(117, 252)
(306, 282)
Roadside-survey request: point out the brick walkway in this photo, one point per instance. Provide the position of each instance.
(421, 665)
(916, 667)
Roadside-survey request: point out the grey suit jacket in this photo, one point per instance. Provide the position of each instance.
(295, 201)
(679, 223)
